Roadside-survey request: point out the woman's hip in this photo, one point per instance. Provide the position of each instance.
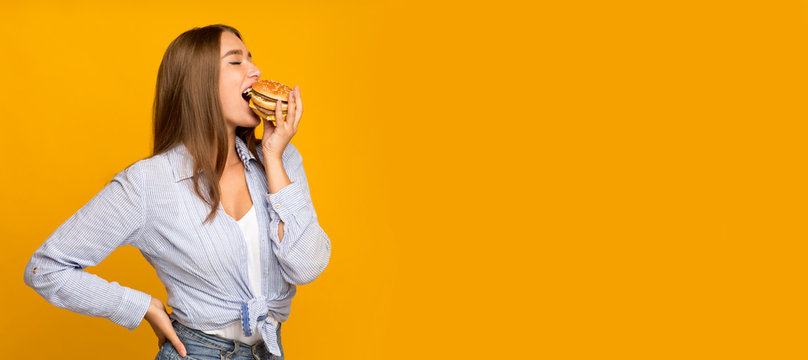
(203, 346)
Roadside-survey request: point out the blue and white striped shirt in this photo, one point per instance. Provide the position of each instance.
(152, 206)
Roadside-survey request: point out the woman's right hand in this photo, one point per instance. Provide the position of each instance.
(277, 137)
(161, 324)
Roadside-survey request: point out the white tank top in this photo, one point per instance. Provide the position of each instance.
(249, 228)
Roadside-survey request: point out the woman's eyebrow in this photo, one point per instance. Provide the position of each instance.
(236, 52)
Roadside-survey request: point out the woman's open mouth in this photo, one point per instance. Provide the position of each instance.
(246, 95)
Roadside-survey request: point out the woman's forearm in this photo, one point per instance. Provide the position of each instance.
(155, 307)
(276, 180)
(276, 174)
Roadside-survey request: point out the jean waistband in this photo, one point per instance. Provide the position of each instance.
(217, 342)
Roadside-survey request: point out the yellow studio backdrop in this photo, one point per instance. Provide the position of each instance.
(537, 180)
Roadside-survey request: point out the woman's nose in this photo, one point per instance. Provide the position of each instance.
(255, 72)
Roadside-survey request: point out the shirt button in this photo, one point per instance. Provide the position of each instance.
(34, 270)
(277, 206)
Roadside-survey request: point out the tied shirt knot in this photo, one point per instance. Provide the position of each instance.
(257, 315)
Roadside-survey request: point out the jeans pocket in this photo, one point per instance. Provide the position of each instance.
(199, 350)
(165, 351)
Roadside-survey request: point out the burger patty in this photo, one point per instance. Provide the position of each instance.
(266, 98)
(265, 111)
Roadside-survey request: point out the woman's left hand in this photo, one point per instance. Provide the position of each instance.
(276, 137)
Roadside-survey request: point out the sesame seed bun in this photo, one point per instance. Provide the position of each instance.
(272, 90)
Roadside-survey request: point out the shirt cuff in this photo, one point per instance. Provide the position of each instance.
(132, 309)
(287, 201)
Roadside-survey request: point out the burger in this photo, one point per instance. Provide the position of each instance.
(264, 96)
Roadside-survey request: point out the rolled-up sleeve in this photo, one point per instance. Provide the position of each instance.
(305, 250)
(114, 217)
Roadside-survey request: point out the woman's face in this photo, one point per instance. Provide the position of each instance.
(236, 74)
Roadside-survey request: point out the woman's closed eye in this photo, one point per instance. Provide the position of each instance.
(235, 63)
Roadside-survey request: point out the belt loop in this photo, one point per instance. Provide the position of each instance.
(255, 350)
(235, 349)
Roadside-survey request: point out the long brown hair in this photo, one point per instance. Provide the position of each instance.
(187, 108)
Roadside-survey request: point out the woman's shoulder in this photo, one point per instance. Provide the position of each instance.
(153, 168)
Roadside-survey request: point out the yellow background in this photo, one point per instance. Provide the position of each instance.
(563, 180)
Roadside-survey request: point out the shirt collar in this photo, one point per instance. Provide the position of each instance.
(183, 163)
(244, 153)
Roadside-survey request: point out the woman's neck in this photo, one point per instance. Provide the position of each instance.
(232, 156)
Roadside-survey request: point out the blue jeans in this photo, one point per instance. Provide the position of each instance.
(202, 346)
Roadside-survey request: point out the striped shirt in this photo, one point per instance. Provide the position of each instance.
(152, 206)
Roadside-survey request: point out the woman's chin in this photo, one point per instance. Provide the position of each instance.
(250, 122)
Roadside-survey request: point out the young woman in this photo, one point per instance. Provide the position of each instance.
(226, 221)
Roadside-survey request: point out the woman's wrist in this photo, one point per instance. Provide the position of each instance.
(272, 152)
(154, 307)
(271, 156)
